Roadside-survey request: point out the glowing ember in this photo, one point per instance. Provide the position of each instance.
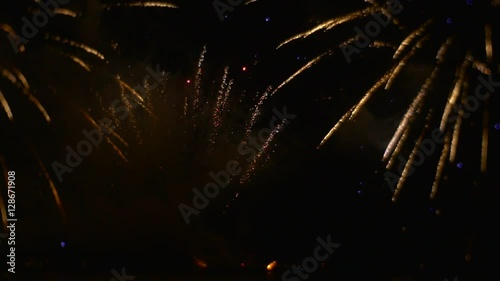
(272, 265)
(200, 263)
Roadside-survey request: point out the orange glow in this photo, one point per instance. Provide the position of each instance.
(272, 266)
(200, 263)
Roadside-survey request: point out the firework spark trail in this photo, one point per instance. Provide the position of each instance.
(61, 11)
(65, 12)
(222, 97)
(140, 100)
(455, 93)
(327, 25)
(384, 11)
(456, 135)
(481, 67)
(441, 165)
(409, 166)
(185, 109)
(110, 129)
(369, 93)
(408, 169)
(381, 44)
(6, 107)
(53, 188)
(488, 45)
(302, 69)
(3, 209)
(417, 102)
(402, 63)
(263, 150)
(408, 40)
(17, 79)
(75, 44)
(257, 112)
(12, 36)
(250, 2)
(484, 143)
(399, 147)
(197, 83)
(151, 4)
(344, 118)
(108, 140)
(78, 61)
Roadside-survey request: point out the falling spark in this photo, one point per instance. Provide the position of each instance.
(185, 106)
(75, 44)
(263, 150)
(409, 166)
(441, 165)
(197, 82)
(455, 93)
(12, 36)
(488, 44)
(65, 12)
(78, 61)
(456, 135)
(403, 61)
(250, 2)
(336, 127)
(6, 107)
(398, 149)
(408, 40)
(481, 67)
(484, 143)
(3, 210)
(145, 5)
(257, 111)
(417, 102)
(222, 97)
(302, 69)
(272, 265)
(381, 44)
(331, 24)
(369, 93)
(53, 188)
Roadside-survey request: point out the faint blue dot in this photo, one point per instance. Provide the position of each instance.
(268, 19)
(431, 209)
(497, 126)
(361, 183)
(359, 191)
(460, 165)
(449, 20)
(469, 2)
(63, 244)
(298, 57)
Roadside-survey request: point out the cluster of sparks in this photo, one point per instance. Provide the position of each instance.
(406, 50)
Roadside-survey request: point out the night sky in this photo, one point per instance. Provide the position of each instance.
(119, 207)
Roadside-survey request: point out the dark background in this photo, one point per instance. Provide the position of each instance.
(126, 214)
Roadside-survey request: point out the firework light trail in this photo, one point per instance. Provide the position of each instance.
(220, 106)
(151, 4)
(327, 25)
(263, 151)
